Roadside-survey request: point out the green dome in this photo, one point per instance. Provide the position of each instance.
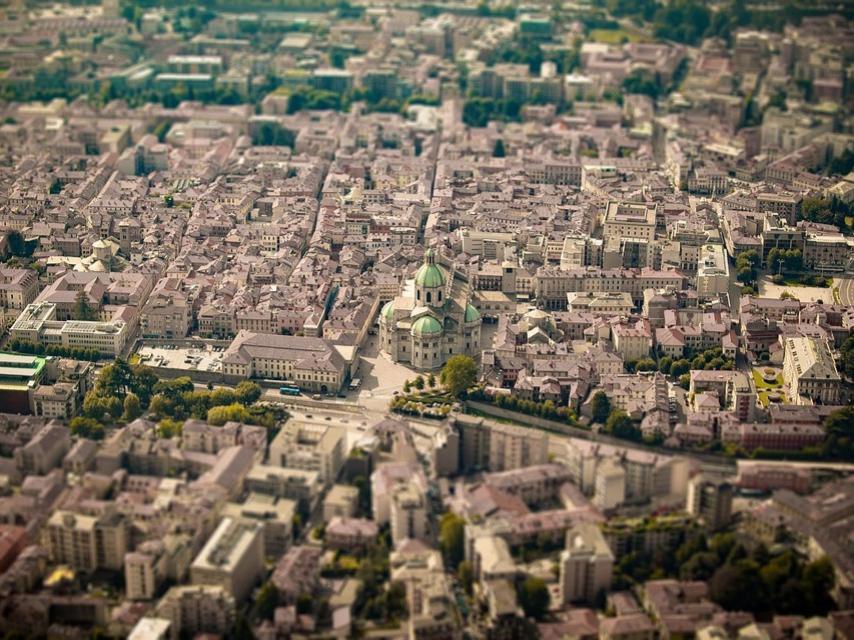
(388, 311)
(472, 314)
(429, 275)
(426, 326)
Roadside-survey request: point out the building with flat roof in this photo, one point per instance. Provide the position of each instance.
(310, 446)
(38, 324)
(233, 558)
(18, 374)
(197, 609)
(712, 271)
(586, 565)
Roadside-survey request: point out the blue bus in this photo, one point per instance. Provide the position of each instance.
(289, 391)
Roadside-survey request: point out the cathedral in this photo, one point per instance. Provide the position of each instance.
(431, 319)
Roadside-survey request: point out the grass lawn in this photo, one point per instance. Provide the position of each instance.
(807, 280)
(763, 386)
(613, 36)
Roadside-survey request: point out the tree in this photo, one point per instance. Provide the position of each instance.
(664, 364)
(465, 574)
(169, 428)
(601, 406)
(82, 309)
(116, 379)
(247, 392)
(534, 597)
(839, 427)
(407, 386)
(265, 602)
(458, 374)
(733, 585)
(431, 380)
(680, 367)
(645, 364)
(451, 538)
(86, 428)
(131, 407)
(746, 265)
(419, 383)
(620, 425)
(236, 412)
(498, 150)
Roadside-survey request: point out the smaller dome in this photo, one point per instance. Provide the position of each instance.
(388, 311)
(472, 314)
(426, 326)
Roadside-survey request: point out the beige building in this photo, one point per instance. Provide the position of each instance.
(586, 565)
(86, 543)
(198, 609)
(408, 514)
(712, 271)
(495, 446)
(632, 341)
(233, 558)
(827, 252)
(293, 484)
(610, 303)
(311, 447)
(274, 514)
(18, 287)
(38, 324)
(610, 485)
(628, 221)
(166, 315)
(312, 363)
(341, 501)
(810, 371)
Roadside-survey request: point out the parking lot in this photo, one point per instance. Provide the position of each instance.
(205, 358)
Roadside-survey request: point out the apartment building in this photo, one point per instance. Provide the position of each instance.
(311, 447)
(87, 542)
(486, 444)
(198, 609)
(232, 558)
(712, 272)
(586, 565)
(827, 253)
(408, 514)
(710, 500)
(18, 287)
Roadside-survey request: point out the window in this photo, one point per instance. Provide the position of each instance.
(429, 297)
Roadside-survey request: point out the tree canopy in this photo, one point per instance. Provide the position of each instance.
(458, 375)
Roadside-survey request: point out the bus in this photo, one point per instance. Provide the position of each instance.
(289, 390)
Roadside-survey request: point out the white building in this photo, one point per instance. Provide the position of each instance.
(610, 485)
(233, 558)
(586, 565)
(408, 513)
(712, 271)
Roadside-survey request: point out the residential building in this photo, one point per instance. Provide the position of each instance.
(586, 565)
(232, 558)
